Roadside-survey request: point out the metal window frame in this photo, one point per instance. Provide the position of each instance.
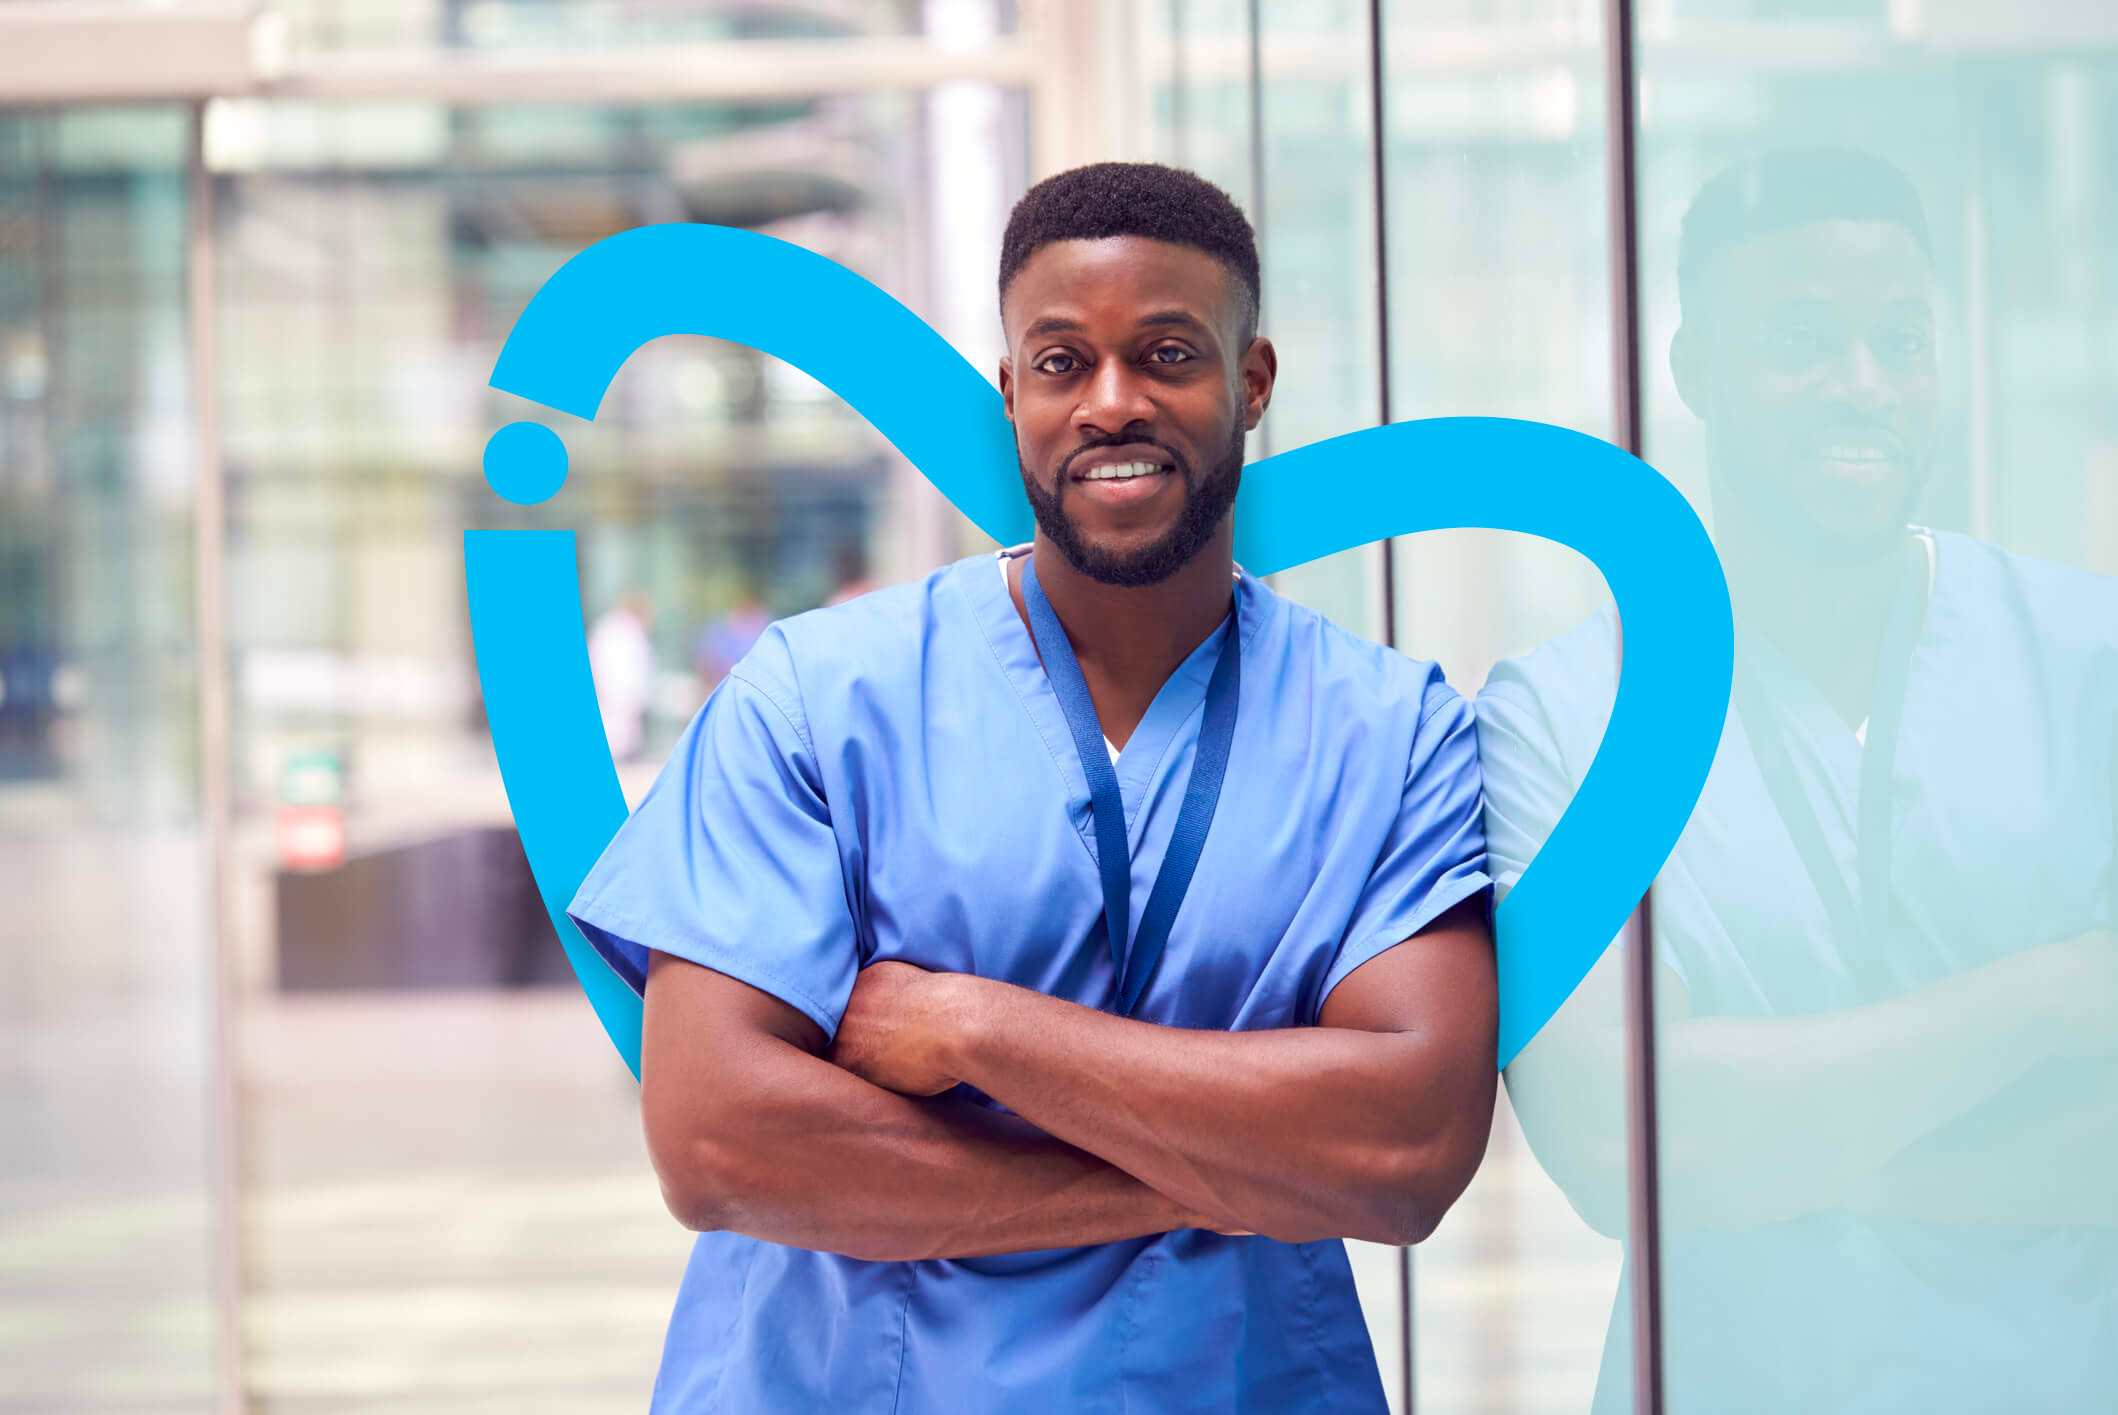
(1386, 559)
(224, 1117)
(101, 53)
(1643, 1175)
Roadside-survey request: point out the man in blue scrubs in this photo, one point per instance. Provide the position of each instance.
(1885, 973)
(1047, 963)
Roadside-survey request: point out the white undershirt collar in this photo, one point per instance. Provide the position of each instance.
(1001, 560)
(1002, 556)
(1926, 545)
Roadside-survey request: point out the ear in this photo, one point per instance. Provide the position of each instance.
(1259, 370)
(1690, 364)
(1007, 386)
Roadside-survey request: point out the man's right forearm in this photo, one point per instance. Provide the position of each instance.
(805, 1154)
(1766, 1118)
(1820, 1100)
(2044, 1154)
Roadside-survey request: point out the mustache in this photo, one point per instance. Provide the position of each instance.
(1826, 432)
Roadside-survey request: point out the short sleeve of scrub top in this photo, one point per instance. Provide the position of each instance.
(729, 861)
(1435, 855)
(1540, 721)
(1527, 785)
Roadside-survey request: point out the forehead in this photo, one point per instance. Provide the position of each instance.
(1842, 261)
(1115, 280)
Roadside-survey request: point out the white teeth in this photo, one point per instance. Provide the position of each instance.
(1120, 471)
(1849, 452)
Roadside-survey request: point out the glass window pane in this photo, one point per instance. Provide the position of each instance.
(1200, 117)
(447, 1184)
(1499, 306)
(1308, 191)
(1316, 225)
(1316, 229)
(1878, 324)
(105, 962)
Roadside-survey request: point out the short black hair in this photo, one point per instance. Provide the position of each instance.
(1144, 199)
(1782, 190)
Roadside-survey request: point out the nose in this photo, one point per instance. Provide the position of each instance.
(1115, 399)
(1863, 383)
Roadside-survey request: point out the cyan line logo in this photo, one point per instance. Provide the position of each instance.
(1435, 474)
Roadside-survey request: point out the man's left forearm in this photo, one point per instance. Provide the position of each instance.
(1298, 1134)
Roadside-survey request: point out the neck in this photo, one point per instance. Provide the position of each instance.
(1138, 635)
(1828, 619)
(1128, 640)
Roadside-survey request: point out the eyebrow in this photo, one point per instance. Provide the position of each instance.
(1051, 324)
(1913, 304)
(1180, 317)
(1058, 324)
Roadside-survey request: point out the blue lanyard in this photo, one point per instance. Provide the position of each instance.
(1134, 965)
(1861, 923)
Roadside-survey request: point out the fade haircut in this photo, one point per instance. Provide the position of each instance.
(1783, 190)
(1143, 199)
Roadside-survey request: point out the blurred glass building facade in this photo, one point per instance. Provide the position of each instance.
(299, 1110)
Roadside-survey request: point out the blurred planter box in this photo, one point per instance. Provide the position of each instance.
(454, 911)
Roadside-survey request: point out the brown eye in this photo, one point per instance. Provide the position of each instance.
(1796, 346)
(1058, 365)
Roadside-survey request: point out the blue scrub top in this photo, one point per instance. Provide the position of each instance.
(893, 778)
(2001, 796)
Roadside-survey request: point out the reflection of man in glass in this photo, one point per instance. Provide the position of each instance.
(1885, 972)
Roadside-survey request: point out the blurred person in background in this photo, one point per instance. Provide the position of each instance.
(1049, 962)
(1886, 981)
(849, 573)
(723, 642)
(621, 659)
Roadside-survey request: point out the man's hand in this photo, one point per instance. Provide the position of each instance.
(894, 1028)
(2082, 986)
(1365, 1125)
(752, 1131)
(895, 1032)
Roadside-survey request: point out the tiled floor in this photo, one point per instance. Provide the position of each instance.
(453, 1208)
(103, 1217)
(449, 1209)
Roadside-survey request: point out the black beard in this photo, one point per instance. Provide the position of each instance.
(1774, 512)
(1206, 503)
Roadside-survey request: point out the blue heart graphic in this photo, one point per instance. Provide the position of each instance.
(1439, 473)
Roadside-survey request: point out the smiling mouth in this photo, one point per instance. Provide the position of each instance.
(1852, 452)
(1121, 471)
(1860, 464)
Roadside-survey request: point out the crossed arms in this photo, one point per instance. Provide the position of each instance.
(1989, 1096)
(1367, 1125)
(1866, 1108)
